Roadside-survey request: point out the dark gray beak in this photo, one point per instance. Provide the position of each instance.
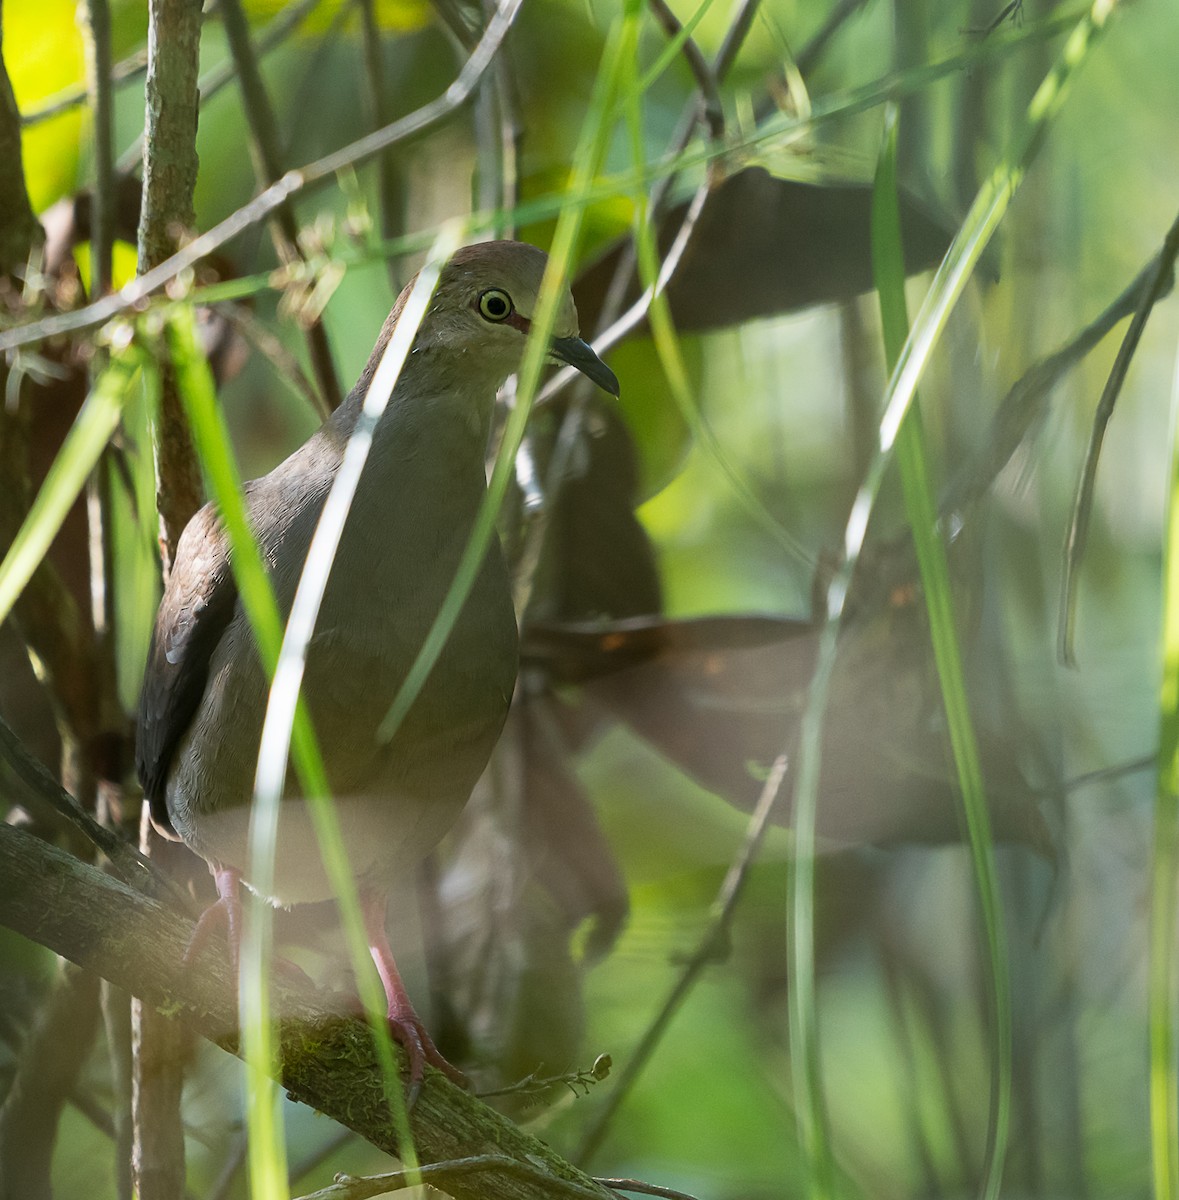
(579, 354)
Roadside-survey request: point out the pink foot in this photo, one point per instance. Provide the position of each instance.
(404, 1023)
(407, 1028)
(225, 913)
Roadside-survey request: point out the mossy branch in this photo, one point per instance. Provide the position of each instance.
(327, 1058)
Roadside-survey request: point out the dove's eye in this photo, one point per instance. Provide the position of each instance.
(495, 305)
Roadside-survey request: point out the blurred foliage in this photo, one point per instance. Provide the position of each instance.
(790, 393)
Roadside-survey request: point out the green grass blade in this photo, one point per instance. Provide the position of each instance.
(288, 677)
(913, 463)
(266, 1148)
(92, 428)
(1164, 1090)
(267, 1143)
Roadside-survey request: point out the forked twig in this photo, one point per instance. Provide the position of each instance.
(711, 109)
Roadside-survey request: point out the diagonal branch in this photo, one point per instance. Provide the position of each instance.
(1156, 285)
(327, 1060)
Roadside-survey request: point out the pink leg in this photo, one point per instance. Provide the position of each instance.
(405, 1024)
(225, 912)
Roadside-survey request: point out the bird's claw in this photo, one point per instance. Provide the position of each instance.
(407, 1029)
(222, 914)
(225, 913)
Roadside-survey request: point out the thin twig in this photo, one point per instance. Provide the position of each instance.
(1146, 762)
(489, 149)
(349, 1187)
(19, 230)
(644, 1189)
(285, 365)
(38, 783)
(291, 184)
(391, 195)
(511, 132)
(810, 54)
(578, 1082)
(711, 946)
(169, 184)
(1155, 286)
(1012, 12)
(95, 20)
(734, 38)
(712, 111)
(159, 1046)
(305, 1165)
(231, 1167)
(116, 1023)
(123, 71)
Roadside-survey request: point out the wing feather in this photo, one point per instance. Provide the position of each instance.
(197, 605)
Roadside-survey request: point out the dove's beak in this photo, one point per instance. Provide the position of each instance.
(579, 354)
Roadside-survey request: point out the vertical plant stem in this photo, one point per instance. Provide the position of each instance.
(169, 181)
(912, 459)
(390, 189)
(95, 19)
(19, 230)
(46, 1073)
(159, 1045)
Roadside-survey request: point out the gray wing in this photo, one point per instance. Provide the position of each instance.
(197, 605)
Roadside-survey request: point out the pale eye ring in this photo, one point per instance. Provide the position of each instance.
(495, 305)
